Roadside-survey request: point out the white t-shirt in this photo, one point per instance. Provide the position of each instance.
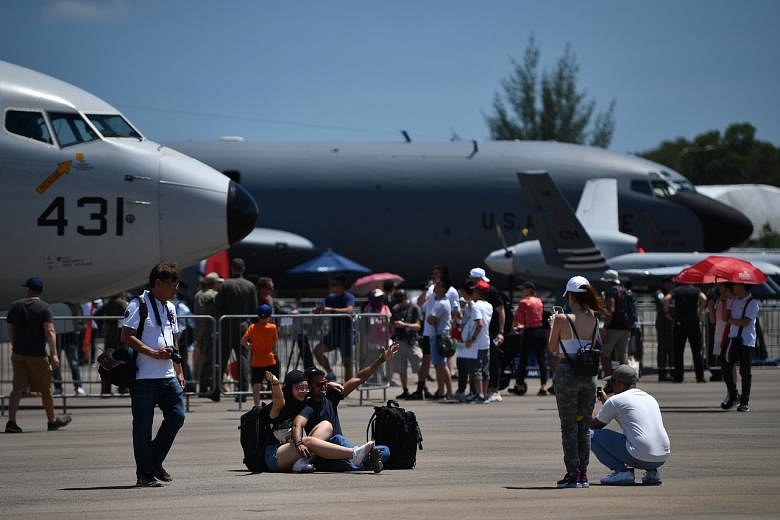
(484, 310)
(470, 317)
(441, 309)
(639, 416)
(736, 305)
(148, 367)
(451, 296)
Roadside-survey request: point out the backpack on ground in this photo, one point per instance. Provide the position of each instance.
(625, 310)
(118, 367)
(255, 433)
(397, 429)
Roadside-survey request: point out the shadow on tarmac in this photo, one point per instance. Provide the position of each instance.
(100, 488)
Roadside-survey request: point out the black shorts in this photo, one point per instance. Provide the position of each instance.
(258, 373)
(425, 345)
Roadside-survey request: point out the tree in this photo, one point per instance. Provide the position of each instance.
(552, 109)
(735, 157)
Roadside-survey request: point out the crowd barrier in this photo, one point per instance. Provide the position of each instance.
(82, 338)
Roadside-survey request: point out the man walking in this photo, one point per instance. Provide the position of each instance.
(689, 303)
(150, 329)
(31, 328)
(205, 305)
(743, 313)
(617, 324)
(644, 442)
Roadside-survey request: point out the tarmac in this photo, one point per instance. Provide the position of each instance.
(499, 460)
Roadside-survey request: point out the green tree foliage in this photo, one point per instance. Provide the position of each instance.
(552, 109)
(734, 157)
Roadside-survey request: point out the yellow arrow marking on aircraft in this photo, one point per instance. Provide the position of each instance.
(62, 169)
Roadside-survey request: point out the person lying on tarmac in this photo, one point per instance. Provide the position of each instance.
(322, 405)
(281, 454)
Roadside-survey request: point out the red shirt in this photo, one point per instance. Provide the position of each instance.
(529, 312)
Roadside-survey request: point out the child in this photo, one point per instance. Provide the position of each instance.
(261, 337)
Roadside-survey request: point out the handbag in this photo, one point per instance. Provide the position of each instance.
(587, 360)
(445, 346)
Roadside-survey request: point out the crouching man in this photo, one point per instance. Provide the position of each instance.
(643, 444)
(322, 405)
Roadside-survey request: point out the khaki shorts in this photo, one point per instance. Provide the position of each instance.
(407, 355)
(32, 372)
(617, 341)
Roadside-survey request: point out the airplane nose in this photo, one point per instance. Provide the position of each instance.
(242, 212)
(500, 262)
(723, 226)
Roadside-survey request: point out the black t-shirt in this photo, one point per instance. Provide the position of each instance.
(686, 302)
(409, 314)
(28, 316)
(615, 293)
(495, 299)
(316, 412)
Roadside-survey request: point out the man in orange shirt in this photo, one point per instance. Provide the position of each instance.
(261, 338)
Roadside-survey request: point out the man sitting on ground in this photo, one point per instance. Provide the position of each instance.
(322, 405)
(643, 444)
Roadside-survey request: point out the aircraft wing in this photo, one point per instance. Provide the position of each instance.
(564, 241)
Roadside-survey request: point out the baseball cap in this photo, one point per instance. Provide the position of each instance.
(478, 273)
(264, 310)
(529, 285)
(625, 374)
(399, 295)
(482, 285)
(376, 293)
(34, 283)
(576, 284)
(610, 275)
(214, 277)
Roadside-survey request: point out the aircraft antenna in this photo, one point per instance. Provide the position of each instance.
(406, 136)
(475, 150)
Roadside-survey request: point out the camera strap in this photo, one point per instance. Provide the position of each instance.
(158, 319)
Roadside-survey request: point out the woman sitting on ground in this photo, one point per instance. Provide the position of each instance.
(280, 453)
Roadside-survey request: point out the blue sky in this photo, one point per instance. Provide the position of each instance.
(363, 70)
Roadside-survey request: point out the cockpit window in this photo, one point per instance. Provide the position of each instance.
(662, 188)
(113, 125)
(27, 124)
(641, 187)
(70, 128)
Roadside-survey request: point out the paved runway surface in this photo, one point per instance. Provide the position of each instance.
(492, 461)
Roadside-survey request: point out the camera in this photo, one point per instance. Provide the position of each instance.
(176, 357)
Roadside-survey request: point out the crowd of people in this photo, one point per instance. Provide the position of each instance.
(460, 332)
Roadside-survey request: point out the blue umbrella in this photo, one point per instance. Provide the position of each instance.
(329, 262)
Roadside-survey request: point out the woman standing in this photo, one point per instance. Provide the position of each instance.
(575, 395)
(527, 322)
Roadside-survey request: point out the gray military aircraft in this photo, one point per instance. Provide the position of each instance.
(589, 242)
(401, 207)
(89, 204)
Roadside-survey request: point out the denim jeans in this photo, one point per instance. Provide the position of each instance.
(610, 448)
(384, 451)
(146, 394)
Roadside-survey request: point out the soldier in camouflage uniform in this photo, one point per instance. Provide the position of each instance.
(204, 331)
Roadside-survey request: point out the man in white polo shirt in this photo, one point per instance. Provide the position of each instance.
(643, 444)
(159, 380)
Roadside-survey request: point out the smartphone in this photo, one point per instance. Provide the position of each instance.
(557, 309)
(598, 390)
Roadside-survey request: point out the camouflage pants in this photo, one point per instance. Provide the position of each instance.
(576, 397)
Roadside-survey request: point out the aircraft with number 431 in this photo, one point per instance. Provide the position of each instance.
(89, 204)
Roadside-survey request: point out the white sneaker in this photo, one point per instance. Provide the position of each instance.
(652, 478)
(302, 465)
(495, 397)
(359, 453)
(619, 478)
(80, 391)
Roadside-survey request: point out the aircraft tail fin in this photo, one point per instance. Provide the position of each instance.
(563, 239)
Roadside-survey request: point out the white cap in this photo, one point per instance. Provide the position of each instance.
(610, 275)
(377, 293)
(478, 274)
(576, 284)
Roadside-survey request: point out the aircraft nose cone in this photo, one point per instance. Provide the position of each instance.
(500, 262)
(242, 212)
(722, 225)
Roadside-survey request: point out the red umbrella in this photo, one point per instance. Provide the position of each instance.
(714, 269)
(366, 284)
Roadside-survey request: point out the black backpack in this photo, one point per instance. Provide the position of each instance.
(397, 429)
(255, 433)
(625, 310)
(119, 367)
